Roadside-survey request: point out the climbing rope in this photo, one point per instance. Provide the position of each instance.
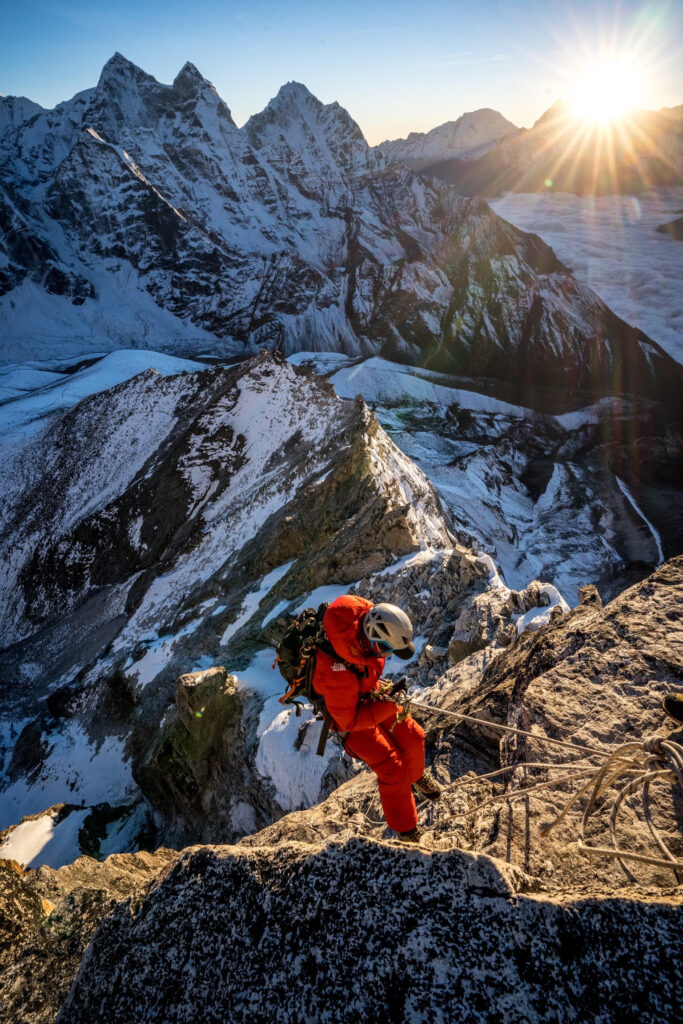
(637, 764)
(504, 728)
(653, 758)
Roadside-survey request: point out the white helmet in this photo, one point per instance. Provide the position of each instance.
(390, 628)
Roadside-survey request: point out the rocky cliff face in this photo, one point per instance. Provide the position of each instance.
(288, 233)
(488, 905)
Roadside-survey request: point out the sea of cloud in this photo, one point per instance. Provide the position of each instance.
(612, 245)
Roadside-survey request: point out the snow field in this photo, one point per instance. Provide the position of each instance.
(77, 769)
(387, 383)
(28, 397)
(253, 600)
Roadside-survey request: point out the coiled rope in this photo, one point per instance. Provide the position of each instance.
(636, 763)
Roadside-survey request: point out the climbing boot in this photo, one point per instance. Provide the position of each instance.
(673, 705)
(428, 786)
(413, 835)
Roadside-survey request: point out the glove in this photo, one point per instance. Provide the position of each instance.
(392, 689)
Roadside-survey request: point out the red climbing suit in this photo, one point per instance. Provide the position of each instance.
(397, 758)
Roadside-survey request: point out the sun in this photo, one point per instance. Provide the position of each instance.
(606, 90)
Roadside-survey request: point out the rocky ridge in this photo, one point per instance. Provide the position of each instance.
(151, 531)
(485, 907)
(468, 137)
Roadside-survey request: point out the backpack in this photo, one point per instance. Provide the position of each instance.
(296, 661)
(296, 658)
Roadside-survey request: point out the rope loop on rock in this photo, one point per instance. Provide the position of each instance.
(637, 763)
(653, 745)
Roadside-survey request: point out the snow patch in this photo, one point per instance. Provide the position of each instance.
(253, 600)
(26, 414)
(42, 842)
(657, 539)
(296, 773)
(537, 617)
(380, 380)
(77, 769)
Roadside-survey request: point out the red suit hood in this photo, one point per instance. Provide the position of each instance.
(343, 622)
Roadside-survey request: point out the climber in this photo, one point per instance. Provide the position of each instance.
(375, 729)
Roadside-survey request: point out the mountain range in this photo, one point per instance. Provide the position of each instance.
(138, 214)
(560, 153)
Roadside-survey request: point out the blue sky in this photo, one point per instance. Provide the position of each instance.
(395, 66)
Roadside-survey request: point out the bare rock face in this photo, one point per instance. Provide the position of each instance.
(371, 931)
(589, 595)
(47, 919)
(199, 756)
(594, 678)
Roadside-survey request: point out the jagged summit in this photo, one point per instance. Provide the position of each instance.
(295, 105)
(190, 85)
(294, 93)
(119, 68)
(189, 72)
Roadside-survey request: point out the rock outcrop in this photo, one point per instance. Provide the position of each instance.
(47, 919)
(200, 754)
(360, 929)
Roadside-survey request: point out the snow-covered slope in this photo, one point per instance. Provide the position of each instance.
(14, 110)
(467, 138)
(138, 215)
(31, 394)
(539, 492)
(158, 527)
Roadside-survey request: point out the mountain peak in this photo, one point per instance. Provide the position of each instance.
(559, 111)
(188, 73)
(293, 97)
(190, 84)
(295, 90)
(469, 136)
(295, 103)
(119, 68)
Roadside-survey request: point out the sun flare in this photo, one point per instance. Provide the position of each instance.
(606, 90)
